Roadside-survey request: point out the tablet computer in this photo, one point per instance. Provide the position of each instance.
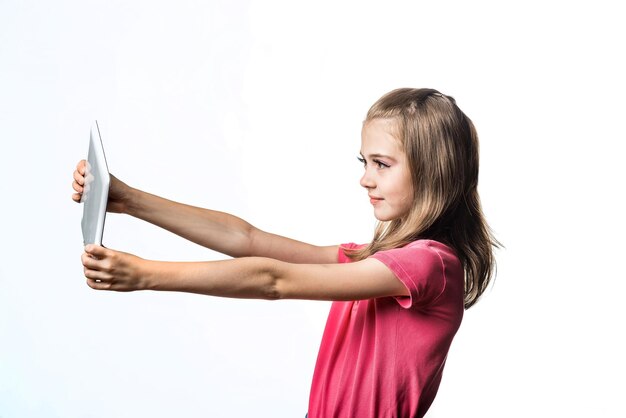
(96, 190)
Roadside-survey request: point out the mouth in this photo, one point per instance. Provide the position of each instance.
(374, 200)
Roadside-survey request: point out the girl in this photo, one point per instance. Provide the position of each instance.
(398, 300)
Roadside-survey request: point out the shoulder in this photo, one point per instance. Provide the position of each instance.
(434, 251)
(343, 248)
(425, 267)
(421, 252)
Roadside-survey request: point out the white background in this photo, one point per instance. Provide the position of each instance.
(254, 107)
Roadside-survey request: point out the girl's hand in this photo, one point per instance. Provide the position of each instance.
(119, 192)
(107, 269)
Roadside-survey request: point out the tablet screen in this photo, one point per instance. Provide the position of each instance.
(96, 190)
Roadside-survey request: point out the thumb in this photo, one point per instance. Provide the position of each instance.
(95, 250)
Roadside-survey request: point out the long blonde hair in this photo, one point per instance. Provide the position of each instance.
(441, 146)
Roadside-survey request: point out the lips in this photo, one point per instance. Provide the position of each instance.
(374, 199)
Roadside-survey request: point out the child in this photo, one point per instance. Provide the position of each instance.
(398, 300)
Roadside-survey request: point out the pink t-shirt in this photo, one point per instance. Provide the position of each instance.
(383, 357)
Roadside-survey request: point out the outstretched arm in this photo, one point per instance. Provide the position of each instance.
(249, 277)
(224, 232)
(216, 230)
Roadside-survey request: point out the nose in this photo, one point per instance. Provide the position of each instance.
(367, 181)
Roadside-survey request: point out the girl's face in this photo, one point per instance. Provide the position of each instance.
(387, 177)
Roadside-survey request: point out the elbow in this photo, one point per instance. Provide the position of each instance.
(272, 293)
(274, 289)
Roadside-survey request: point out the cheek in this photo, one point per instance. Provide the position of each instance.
(407, 189)
(411, 193)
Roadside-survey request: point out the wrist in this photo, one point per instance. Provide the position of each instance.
(149, 275)
(131, 202)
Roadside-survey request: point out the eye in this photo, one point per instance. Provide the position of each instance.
(380, 164)
(361, 160)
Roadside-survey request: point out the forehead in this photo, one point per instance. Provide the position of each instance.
(378, 137)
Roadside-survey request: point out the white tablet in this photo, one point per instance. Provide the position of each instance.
(96, 190)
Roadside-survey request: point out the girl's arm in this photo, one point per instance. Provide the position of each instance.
(249, 277)
(223, 232)
(218, 231)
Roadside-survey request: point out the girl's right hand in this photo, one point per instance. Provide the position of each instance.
(119, 191)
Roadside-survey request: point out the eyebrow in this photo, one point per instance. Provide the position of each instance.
(379, 156)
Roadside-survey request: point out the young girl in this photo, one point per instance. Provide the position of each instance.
(398, 300)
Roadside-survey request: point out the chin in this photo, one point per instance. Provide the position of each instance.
(383, 217)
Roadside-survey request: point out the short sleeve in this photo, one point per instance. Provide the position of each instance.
(341, 255)
(421, 270)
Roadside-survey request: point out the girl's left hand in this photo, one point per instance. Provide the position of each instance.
(107, 269)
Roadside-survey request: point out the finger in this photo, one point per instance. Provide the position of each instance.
(97, 251)
(99, 276)
(76, 186)
(80, 167)
(91, 262)
(79, 178)
(76, 197)
(98, 285)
